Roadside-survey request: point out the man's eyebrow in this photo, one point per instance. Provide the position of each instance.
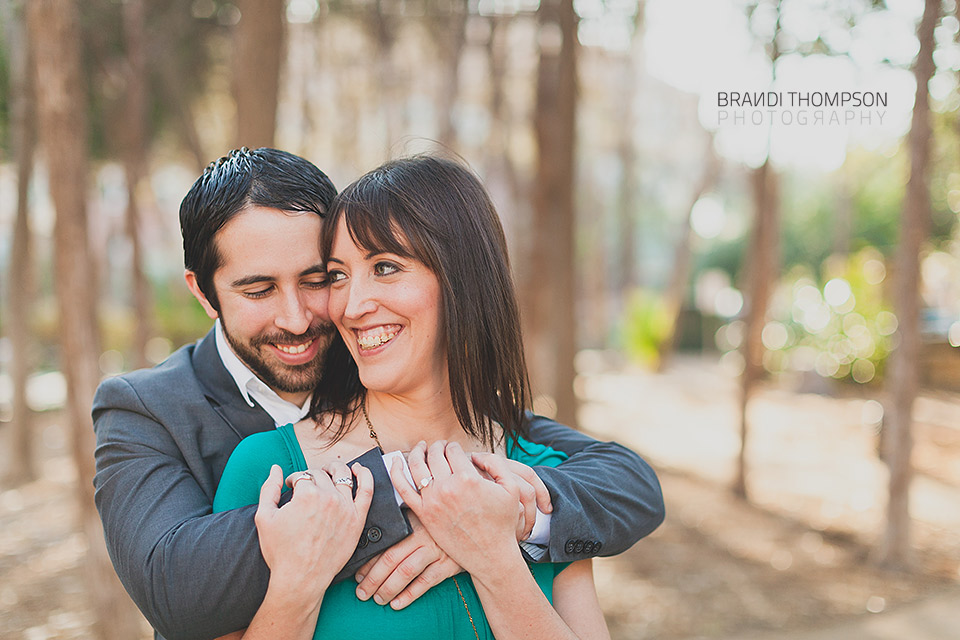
(258, 278)
(248, 280)
(315, 269)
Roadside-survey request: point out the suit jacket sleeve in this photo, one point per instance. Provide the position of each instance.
(179, 563)
(605, 497)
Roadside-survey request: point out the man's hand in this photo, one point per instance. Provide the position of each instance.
(520, 480)
(408, 568)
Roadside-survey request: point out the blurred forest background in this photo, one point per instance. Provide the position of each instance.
(736, 290)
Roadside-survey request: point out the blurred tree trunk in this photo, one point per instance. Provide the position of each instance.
(134, 161)
(625, 278)
(903, 380)
(383, 28)
(258, 55)
(501, 175)
(549, 290)
(761, 268)
(20, 285)
(676, 292)
(843, 223)
(54, 32)
(450, 33)
(177, 100)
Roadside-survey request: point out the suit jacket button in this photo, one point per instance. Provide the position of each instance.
(569, 546)
(362, 543)
(374, 534)
(596, 546)
(588, 546)
(578, 548)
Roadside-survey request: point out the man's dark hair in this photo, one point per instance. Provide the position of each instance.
(243, 178)
(437, 212)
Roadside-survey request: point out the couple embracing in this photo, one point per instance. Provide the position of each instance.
(365, 370)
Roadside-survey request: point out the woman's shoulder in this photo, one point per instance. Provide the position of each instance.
(249, 465)
(534, 454)
(257, 444)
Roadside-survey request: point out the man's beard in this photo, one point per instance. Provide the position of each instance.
(275, 374)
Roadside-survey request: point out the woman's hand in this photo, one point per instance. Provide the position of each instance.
(310, 539)
(471, 518)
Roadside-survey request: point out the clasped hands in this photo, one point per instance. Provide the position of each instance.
(476, 505)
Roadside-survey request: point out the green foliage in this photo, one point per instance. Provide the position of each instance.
(838, 326)
(646, 325)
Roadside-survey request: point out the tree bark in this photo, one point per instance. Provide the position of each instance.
(258, 56)
(903, 380)
(549, 291)
(21, 284)
(54, 31)
(762, 265)
(134, 160)
(680, 274)
(449, 32)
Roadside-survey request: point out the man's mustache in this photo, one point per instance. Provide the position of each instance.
(315, 331)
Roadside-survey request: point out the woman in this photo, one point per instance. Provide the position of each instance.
(429, 352)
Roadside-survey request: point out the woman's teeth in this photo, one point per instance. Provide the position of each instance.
(374, 340)
(294, 349)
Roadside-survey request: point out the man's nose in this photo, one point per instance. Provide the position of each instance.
(295, 315)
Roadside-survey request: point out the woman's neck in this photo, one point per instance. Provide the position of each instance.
(400, 422)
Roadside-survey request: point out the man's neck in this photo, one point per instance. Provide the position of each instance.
(293, 398)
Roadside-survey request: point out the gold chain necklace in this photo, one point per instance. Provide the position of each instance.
(373, 434)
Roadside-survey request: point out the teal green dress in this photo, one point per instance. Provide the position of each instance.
(440, 614)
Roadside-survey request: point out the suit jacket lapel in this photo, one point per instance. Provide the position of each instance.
(221, 390)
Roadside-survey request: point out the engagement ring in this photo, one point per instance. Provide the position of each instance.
(348, 481)
(425, 482)
(306, 475)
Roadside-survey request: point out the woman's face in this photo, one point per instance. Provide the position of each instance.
(387, 309)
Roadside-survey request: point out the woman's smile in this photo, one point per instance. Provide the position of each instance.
(375, 337)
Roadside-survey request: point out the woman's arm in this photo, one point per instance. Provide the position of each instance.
(516, 607)
(474, 521)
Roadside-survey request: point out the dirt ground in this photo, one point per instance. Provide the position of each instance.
(797, 556)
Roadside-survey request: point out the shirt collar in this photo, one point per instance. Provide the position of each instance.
(252, 388)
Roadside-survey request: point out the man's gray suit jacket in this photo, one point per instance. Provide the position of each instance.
(164, 435)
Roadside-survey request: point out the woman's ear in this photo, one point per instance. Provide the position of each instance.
(194, 287)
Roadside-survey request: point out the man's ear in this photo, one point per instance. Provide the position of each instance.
(191, 279)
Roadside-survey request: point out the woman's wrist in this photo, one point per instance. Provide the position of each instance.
(501, 570)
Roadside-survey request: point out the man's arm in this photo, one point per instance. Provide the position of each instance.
(179, 563)
(605, 497)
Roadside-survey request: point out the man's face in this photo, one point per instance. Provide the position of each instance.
(273, 297)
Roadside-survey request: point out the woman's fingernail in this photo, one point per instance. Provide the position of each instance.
(378, 600)
(361, 594)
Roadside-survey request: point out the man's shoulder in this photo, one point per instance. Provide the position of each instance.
(174, 376)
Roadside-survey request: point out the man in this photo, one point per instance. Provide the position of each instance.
(250, 225)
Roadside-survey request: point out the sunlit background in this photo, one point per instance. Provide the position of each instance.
(664, 204)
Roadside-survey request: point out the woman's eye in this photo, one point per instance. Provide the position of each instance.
(385, 268)
(335, 276)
